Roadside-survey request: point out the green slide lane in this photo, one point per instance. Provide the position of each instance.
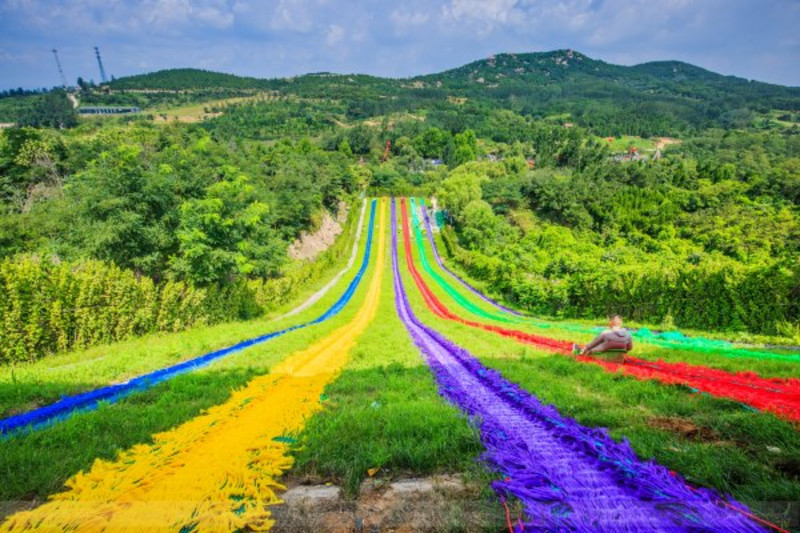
(449, 289)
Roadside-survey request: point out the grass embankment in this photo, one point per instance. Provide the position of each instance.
(713, 442)
(35, 465)
(25, 386)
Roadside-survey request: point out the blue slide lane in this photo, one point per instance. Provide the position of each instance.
(89, 400)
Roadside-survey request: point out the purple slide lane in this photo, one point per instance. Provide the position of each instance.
(567, 476)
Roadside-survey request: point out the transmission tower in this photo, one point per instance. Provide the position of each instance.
(100, 64)
(60, 70)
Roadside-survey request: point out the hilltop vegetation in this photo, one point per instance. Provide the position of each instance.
(182, 79)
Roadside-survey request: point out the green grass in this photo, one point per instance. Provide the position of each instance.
(621, 144)
(384, 410)
(37, 464)
(731, 451)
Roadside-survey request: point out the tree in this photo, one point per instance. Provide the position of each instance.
(226, 235)
(459, 189)
(479, 225)
(462, 149)
(432, 143)
(361, 138)
(124, 210)
(344, 147)
(52, 110)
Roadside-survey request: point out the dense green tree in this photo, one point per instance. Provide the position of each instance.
(226, 235)
(53, 110)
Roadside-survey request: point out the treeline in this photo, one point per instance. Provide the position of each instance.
(275, 119)
(707, 237)
(11, 93)
(723, 296)
(653, 99)
(185, 79)
(166, 202)
(110, 230)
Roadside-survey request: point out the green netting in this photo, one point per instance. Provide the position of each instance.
(439, 217)
(676, 339)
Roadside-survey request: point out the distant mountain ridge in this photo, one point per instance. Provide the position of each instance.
(557, 65)
(659, 97)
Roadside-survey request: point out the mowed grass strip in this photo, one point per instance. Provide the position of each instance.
(713, 442)
(384, 412)
(30, 385)
(35, 465)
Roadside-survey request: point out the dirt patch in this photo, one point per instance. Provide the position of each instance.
(789, 466)
(415, 504)
(28, 502)
(310, 245)
(186, 119)
(684, 427)
(663, 142)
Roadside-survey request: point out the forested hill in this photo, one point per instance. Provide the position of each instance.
(657, 98)
(537, 70)
(583, 75)
(186, 78)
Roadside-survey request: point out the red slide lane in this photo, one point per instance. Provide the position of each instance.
(780, 396)
(438, 308)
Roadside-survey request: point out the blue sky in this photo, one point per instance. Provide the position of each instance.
(755, 39)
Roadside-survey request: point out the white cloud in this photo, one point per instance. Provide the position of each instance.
(404, 17)
(389, 37)
(334, 35)
(292, 15)
(481, 10)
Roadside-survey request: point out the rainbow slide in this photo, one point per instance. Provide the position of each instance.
(567, 476)
(667, 339)
(780, 396)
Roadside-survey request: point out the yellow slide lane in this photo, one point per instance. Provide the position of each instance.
(218, 471)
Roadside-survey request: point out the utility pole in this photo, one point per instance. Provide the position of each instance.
(60, 70)
(100, 64)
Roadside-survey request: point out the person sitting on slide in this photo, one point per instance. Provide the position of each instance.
(613, 339)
